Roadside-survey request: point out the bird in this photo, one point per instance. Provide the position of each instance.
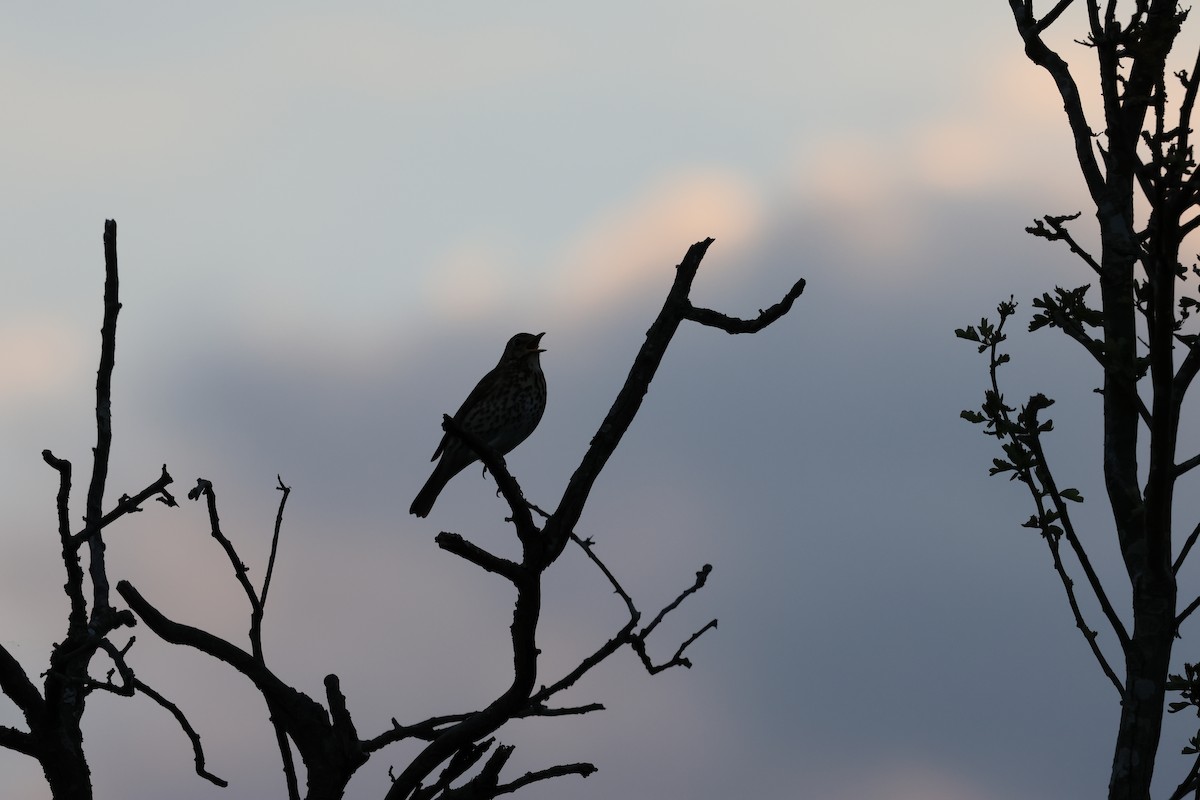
(502, 410)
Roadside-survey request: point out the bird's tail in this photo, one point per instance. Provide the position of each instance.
(429, 493)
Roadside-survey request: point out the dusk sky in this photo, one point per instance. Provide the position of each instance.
(331, 218)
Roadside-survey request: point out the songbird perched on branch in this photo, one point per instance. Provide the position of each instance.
(502, 410)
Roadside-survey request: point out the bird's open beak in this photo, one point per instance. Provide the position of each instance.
(536, 341)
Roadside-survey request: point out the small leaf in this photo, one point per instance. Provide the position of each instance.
(999, 465)
(1072, 494)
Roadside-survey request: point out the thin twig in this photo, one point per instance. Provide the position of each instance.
(677, 660)
(701, 578)
(205, 488)
(1051, 16)
(586, 545)
(1046, 478)
(1186, 466)
(582, 769)
(287, 490)
(188, 730)
(1187, 548)
(1189, 783)
(1187, 612)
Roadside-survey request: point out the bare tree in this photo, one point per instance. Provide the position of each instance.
(53, 713)
(1136, 159)
(459, 756)
(455, 743)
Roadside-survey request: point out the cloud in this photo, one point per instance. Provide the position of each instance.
(627, 246)
(884, 196)
(615, 253)
(899, 779)
(137, 110)
(41, 355)
(1010, 133)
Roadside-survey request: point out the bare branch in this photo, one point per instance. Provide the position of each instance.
(675, 309)
(582, 769)
(1054, 13)
(732, 325)
(1046, 478)
(1057, 232)
(205, 488)
(476, 726)
(126, 687)
(18, 741)
(330, 758)
(1187, 466)
(462, 761)
(77, 620)
(186, 727)
(430, 729)
(1188, 227)
(285, 756)
(678, 660)
(131, 685)
(129, 505)
(1050, 535)
(586, 545)
(701, 578)
(17, 687)
(1186, 372)
(1187, 548)
(94, 514)
(427, 730)
(622, 638)
(262, 597)
(456, 544)
(177, 633)
(564, 711)
(1187, 612)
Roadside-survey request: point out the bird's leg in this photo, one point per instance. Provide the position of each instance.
(485, 469)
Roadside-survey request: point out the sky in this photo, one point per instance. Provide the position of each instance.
(330, 221)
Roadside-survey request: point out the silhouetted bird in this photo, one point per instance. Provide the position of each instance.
(502, 410)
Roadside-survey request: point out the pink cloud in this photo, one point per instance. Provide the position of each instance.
(633, 243)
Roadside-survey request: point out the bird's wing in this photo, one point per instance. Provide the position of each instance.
(482, 388)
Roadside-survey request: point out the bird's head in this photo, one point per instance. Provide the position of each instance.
(523, 345)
